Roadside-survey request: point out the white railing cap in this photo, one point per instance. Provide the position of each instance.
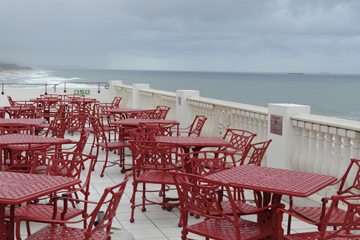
(328, 121)
(160, 92)
(234, 105)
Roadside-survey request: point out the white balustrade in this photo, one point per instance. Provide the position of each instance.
(322, 144)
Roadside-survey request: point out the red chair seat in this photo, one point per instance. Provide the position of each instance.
(244, 208)
(221, 229)
(314, 213)
(66, 233)
(114, 145)
(41, 211)
(156, 177)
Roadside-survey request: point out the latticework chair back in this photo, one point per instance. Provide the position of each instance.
(111, 197)
(151, 156)
(152, 130)
(351, 226)
(116, 102)
(11, 101)
(203, 163)
(98, 129)
(76, 122)
(57, 128)
(80, 146)
(200, 196)
(257, 152)
(161, 112)
(197, 125)
(240, 143)
(350, 181)
(16, 128)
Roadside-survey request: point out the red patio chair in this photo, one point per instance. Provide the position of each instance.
(76, 122)
(101, 141)
(161, 112)
(19, 103)
(348, 229)
(240, 145)
(200, 196)
(196, 126)
(349, 185)
(154, 129)
(23, 111)
(152, 164)
(203, 163)
(110, 199)
(257, 152)
(66, 165)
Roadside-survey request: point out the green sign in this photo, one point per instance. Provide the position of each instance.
(82, 91)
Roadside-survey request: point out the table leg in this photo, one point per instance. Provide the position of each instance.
(270, 217)
(6, 229)
(3, 232)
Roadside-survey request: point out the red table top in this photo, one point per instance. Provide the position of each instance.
(185, 141)
(274, 180)
(127, 110)
(25, 121)
(134, 122)
(30, 139)
(16, 188)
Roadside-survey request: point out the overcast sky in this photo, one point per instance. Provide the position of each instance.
(207, 35)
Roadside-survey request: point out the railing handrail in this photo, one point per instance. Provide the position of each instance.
(99, 84)
(155, 91)
(234, 105)
(328, 121)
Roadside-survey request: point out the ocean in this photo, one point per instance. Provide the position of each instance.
(334, 95)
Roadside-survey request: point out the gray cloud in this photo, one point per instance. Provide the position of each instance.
(227, 35)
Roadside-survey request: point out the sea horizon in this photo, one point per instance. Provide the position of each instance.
(328, 94)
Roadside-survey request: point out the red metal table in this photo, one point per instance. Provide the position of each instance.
(34, 122)
(135, 122)
(272, 183)
(49, 105)
(16, 188)
(11, 139)
(194, 143)
(128, 112)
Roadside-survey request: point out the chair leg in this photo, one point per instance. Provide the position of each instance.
(28, 228)
(144, 198)
(105, 163)
(289, 225)
(133, 201)
(17, 224)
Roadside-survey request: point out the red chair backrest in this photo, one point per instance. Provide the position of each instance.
(197, 125)
(201, 197)
(350, 181)
(257, 151)
(116, 102)
(111, 197)
(151, 130)
(151, 156)
(161, 112)
(203, 163)
(351, 225)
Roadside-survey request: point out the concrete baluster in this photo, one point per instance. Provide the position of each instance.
(325, 167)
(304, 152)
(356, 145)
(336, 156)
(297, 146)
(310, 160)
(320, 150)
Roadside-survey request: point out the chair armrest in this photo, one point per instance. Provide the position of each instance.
(290, 213)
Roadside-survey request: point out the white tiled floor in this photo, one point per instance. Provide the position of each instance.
(154, 224)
